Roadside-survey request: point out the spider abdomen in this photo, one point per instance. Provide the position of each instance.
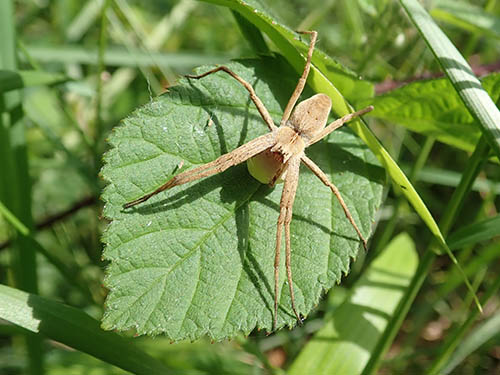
(264, 166)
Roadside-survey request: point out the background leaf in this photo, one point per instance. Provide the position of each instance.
(458, 72)
(351, 337)
(199, 259)
(433, 108)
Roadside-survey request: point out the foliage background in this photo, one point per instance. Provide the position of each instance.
(101, 69)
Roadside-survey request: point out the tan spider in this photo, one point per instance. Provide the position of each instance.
(277, 156)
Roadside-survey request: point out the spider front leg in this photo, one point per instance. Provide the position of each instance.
(322, 176)
(284, 219)
(237, 156)
(258, 103)
(302, 80)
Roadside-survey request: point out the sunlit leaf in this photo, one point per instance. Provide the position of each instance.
(433, 108)
(198, 259)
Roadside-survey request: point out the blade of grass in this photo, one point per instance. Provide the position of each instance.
(482, 334)
(252, 34)
(116, 56)
(458, 71)
(70, 275)
(15, 179)
(13, 220)
(476, 232)
(455, 338)
(13, 80)
(445, 177)
(415, 169)
(75, 329)
(84, 20)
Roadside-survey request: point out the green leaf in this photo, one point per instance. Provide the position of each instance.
(433, 108)
(198, 260)
(468, 16)
(13, 80)
(73, 328)
(481, 231)
(459, 73)
(346, 343)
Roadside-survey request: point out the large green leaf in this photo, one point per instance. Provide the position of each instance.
(433, 108)
(199, 259)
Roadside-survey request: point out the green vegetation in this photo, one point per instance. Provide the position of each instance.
(95, 112)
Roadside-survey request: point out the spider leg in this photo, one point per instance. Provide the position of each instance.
(338, 123)
(302, 80)
(258, 103)
(220, 164)
(322, 176)
(284, 219)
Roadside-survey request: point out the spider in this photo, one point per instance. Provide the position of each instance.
(276, 157)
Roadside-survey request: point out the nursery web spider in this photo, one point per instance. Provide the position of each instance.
(277, 156)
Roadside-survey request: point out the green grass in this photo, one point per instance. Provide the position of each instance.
(71, 70)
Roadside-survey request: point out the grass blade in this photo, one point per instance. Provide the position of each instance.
(13, 80)
(455, 338)
(15, 181)
(74, 328)
(251, 34)
(474, 233)
(485, 332)
(116, 56)
(427, 260)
